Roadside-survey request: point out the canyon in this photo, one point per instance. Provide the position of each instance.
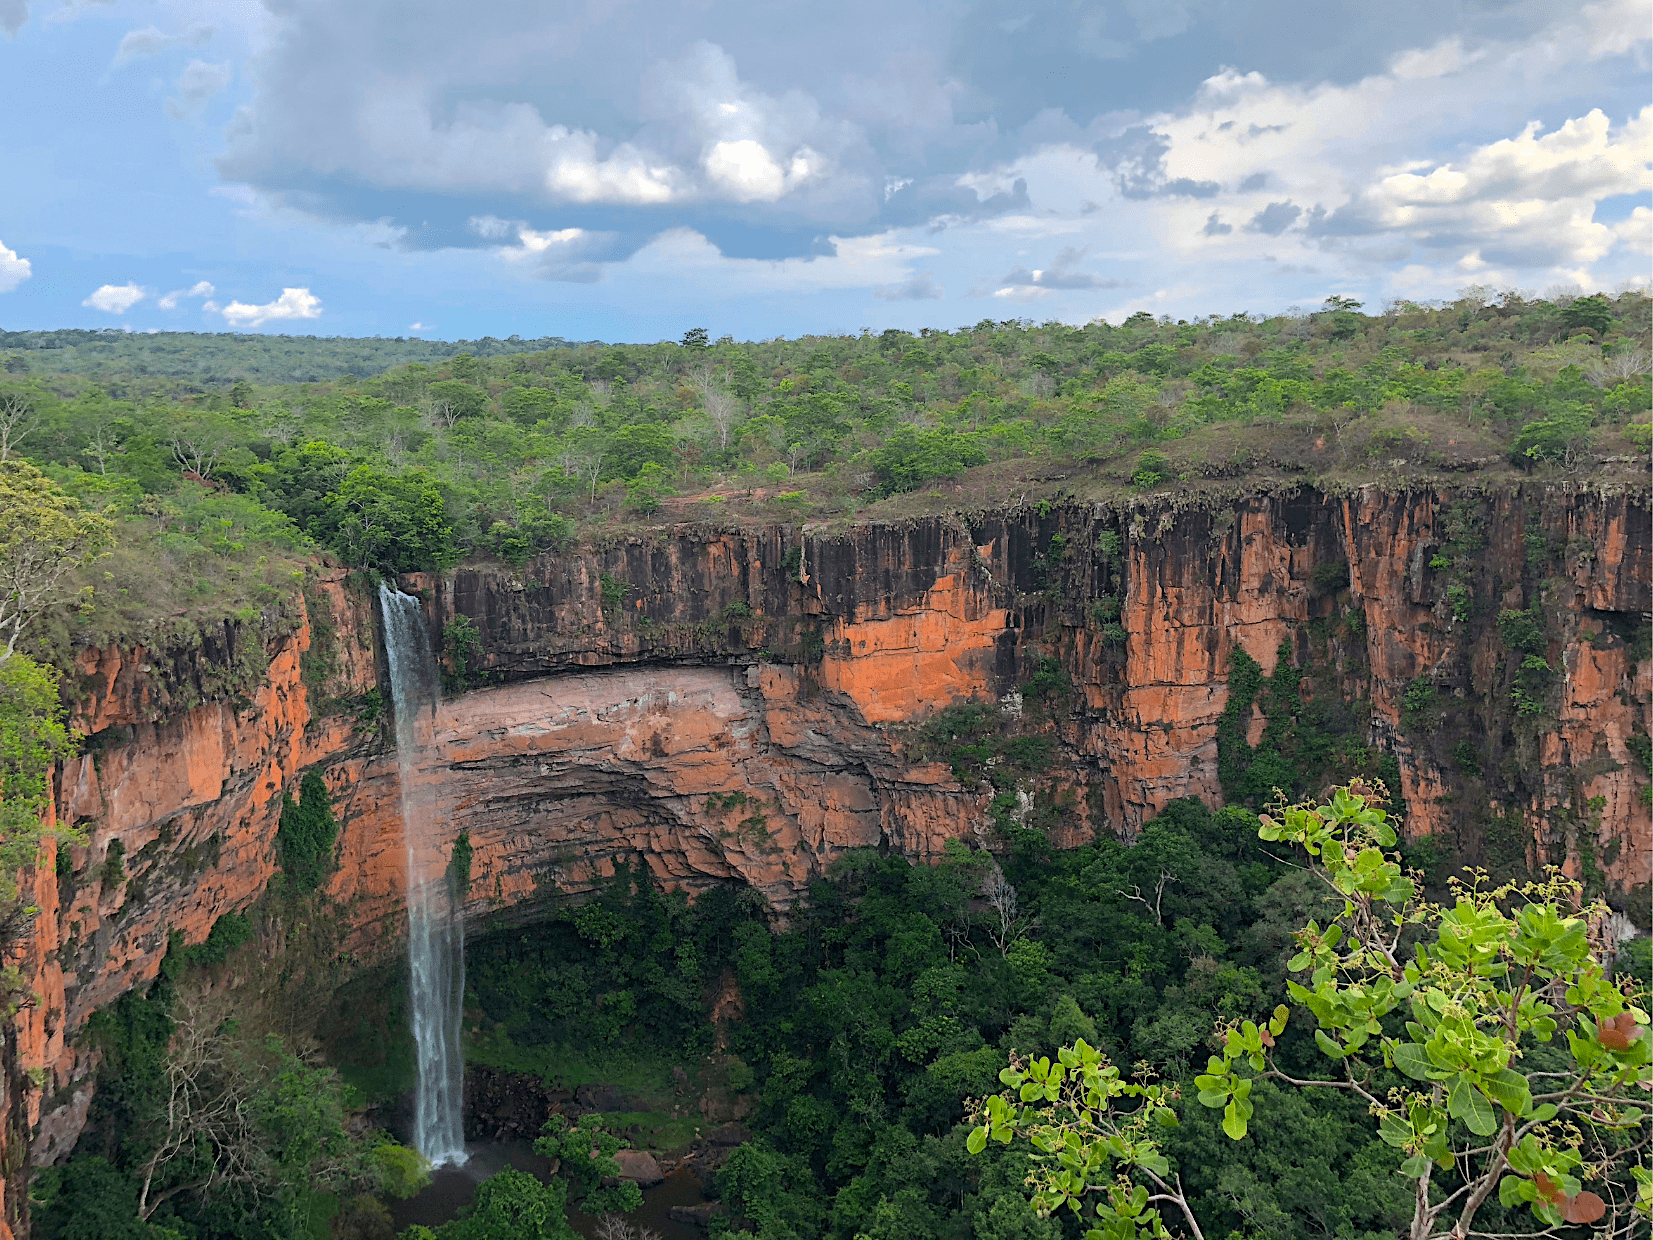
(746, 705)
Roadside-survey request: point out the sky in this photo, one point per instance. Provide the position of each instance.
(623, 170)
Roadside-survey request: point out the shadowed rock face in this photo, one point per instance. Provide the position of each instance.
(737, 706)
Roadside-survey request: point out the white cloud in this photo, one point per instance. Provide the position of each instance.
(201, 288)
(294, 303)
(116, 298)
(197, 84)
(420, 327)
(702, 135)
(14, 269)
(151, 41)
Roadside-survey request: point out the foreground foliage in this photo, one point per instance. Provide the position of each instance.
(1472, 1092)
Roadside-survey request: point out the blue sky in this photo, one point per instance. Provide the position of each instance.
(625, 169)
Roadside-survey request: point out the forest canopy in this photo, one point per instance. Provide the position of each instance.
(400, 456)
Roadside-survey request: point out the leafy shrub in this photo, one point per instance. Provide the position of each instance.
(1151, 468)
(459, 866)
(1522, 630)
(1556, 439)
(307, 832)
(461, 653)
(649, 488)
(911, 457)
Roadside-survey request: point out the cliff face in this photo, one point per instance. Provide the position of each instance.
(730, 706)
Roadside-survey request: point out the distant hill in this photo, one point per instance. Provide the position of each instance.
(214, 358)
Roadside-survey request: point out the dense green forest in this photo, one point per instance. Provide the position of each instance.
(871, 1026)
(200, 361)
(880, 1014)
(217, 488)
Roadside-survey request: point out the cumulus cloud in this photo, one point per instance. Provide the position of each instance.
(575, 144)
(14, 269)
(151, 41)
(115, 298)
(201, 288)
(294, 303)
(196, 85)
(1275, 218)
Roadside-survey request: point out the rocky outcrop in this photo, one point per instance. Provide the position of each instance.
(741, 706)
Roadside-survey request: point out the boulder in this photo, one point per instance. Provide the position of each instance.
(728, 1134)
(598, 1097)
(639, 1167)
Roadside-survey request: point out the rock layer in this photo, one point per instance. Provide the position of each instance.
(740, 706)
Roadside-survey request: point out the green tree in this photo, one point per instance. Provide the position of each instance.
(87, 1199)
(33, 736)
(1594, 312)
(911, 457)
(1556, 439)
(1469, 1093)
(452, 400)
(513, 1205)
(395, 523)
(45, 537)
(585, 1153)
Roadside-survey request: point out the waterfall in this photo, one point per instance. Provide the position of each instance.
(436, 936)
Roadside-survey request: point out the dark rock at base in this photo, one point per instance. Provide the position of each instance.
(728, 1134)
(500, 1105)
(597, 1097)
(700, 1215)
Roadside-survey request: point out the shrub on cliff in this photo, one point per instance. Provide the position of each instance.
(32, 737)
(304, 840)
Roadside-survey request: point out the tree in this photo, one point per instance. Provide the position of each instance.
(45, 536)
(1469, 1089)
(17, 416)
(695, 338)
(1489, 983)
(88, 1199)
(718, 400)
(585, 1155)
(513, 1205)
(453, 399)
(1558, 438)
(393, 522)
(304, 839)
(32, 738)
(1594, 312)
(911, 457)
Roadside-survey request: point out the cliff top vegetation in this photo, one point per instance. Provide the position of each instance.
(226, 463)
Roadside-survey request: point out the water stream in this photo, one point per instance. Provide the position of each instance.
(436, 937)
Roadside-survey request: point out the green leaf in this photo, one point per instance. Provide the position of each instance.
(976, 1142)
(1411, 1059)
(1465, 1102)
(1277, 1022)
(1509, 1090)
(1415, 1167)
(1514, 1191)
(1233, 1125)
(1328, 1046)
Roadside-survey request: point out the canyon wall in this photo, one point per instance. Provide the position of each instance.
(746, 705)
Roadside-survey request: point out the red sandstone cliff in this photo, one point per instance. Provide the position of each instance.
(738, 712)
